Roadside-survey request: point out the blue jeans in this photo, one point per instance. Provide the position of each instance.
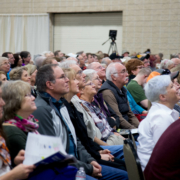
(110, 173)
(116, 150)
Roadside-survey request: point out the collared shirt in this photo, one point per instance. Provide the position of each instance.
(159, 118)
(65, 117)
(99, 120)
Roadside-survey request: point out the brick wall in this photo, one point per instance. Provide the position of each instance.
(151, 24)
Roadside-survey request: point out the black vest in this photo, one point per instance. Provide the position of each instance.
(121, 97)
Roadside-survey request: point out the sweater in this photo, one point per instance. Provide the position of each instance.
(15, 139)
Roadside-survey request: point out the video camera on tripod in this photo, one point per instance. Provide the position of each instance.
(112, 36)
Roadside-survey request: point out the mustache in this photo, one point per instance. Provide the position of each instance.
(127, 78)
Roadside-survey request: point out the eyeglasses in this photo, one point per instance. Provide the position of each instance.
(79, 72)
(122, 72)
(28, 95)
(6, 63)
(63, 77)
(97, 79)
(100, 67)
(146, 62)
(89, 84)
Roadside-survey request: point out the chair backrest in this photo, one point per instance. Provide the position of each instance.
(132, 161)
(131, 137)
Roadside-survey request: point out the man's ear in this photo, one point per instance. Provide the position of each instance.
(49, 85)
(113, 77)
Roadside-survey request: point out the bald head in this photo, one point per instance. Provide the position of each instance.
(99, 69)
(106, 61)
(176, 61)
(72, 58)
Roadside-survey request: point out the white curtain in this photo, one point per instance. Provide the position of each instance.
(28, 32)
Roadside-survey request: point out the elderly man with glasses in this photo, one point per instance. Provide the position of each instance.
(115, 95)
(99, 69)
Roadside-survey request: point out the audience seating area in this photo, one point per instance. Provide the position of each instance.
(111, 111)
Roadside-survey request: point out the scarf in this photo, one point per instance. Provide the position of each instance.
(4, 152)
(27, 125)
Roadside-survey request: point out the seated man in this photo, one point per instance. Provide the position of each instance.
(81, 56)
(115, 95)
(99, 69)
(163, 95)
(135, 87)
(54, 120)
(164, 162)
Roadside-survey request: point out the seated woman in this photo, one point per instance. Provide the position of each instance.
(108, 134)
(133, 66)
(3, 77)
(102, 156)
(167, 64)
(32, 70)
(19, 172)
(99, 102)
(17, 118)
(163, 95)
(17, 62)
(20, 73)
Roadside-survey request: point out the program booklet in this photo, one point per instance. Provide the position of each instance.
(43, 150)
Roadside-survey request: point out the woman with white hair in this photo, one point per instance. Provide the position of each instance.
(99, 102)
(163, 95)
(87, 94)
(167, 64)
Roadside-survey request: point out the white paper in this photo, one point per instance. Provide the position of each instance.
(134, 131)
(39, 147)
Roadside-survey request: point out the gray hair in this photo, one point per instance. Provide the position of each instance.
(44, 53)
(67, 64)
(165, 63)
(39, 60)
(91, 66)
(111, 69)
(104, 60)
(89, 74)
(2, 59)
(156, 86)
(44, 74)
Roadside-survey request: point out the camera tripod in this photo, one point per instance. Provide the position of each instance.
(112, 47)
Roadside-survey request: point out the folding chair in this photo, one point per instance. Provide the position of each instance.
(132, 161)
(131, 137)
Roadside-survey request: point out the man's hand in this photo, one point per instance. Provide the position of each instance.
(107, 157)
(19, 158)
(96, 169)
